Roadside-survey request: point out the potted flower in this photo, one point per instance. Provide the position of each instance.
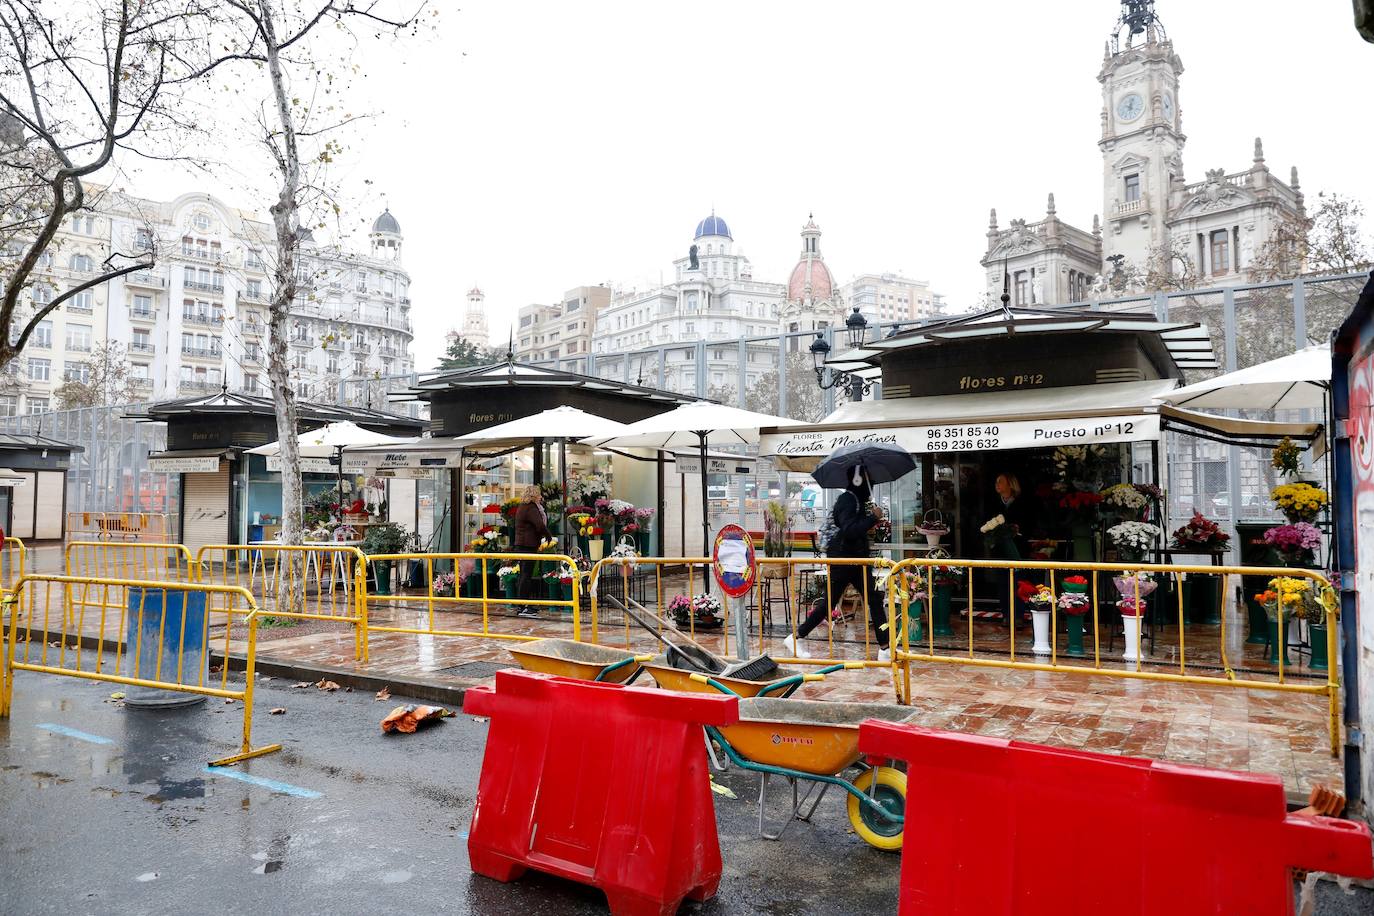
(1134, 539)
(1132, 610)
(509, 575)
(997, 537)
(1077, 584)
(445, 585)
(1297, 599)
(1074, 605)
(355, 512)
(644, 517)
(1041, 601)
(1202, 592)
(1284, 458)
(1125, 501)
(699, 612)
(1299, 502)
(380, 540)
(1295, 543)
(933, 527)
(486, 540)
(777, 530)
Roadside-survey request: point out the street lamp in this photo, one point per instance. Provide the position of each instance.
(856, 326)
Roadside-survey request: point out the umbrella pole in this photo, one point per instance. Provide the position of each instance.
(563, 490)
(705, 506)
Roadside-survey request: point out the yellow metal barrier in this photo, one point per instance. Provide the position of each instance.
(13, 561)
(1006, 655)
(128, 560)
(776, 569)
(430, 602)
(117, 526)
(81, 647)
(302, 582)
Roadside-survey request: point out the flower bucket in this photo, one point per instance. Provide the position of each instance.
(1317, 634)
(1131, 624)
(381, 577)
(940, 609)
(1041, 624)
(915, 623)
(1074, 622)
(1082, 535)
(510, 585)
(1273, 626)
(553, 589)
(1074, 588)
(565, 590)
(596, 549)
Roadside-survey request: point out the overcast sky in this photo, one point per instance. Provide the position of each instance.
(527, 148)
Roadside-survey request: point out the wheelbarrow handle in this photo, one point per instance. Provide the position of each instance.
(703, 679)
(609, 669)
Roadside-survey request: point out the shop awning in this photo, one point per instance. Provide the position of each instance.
(10, 478)
(189, 460)
(987, 421)
(1237, 431)
(1297, 381)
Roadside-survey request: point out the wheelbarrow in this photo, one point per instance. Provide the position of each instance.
(816, 742)
(782, 683)
(580, 660)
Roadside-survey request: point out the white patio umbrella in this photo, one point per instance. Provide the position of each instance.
(699, 423)
(1298, 381)
(332, 439)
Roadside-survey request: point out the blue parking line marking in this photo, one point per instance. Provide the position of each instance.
(271, 784)
(73, 733)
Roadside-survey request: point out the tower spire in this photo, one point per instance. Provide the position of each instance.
(1049, 205)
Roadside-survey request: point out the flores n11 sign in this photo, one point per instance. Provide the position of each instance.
(969, 437)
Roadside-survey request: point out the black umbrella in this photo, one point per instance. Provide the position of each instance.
(883, 462)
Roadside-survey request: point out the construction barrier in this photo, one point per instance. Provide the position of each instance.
(13, 562)
(306, 582)
(126, 560)
(1006, 832)
(416, 613)
(1002, 652)
(109, 645)
(117, 526)
(601, 784)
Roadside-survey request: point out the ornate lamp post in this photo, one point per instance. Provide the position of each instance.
(856, 326)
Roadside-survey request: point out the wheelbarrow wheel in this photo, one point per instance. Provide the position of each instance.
(890, 792)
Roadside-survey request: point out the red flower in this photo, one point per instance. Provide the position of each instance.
(1076, 580)
(492, 508)
(1024, 590)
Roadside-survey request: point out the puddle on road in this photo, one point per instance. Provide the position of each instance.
(396, 877)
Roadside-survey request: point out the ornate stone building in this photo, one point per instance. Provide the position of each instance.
(1152, 219)
(813, 297)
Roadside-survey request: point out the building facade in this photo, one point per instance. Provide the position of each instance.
(197, 320)
(1153, 222)
(892, 297)
(475, 327)
(562, 330)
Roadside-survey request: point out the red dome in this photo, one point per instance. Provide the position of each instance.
(813, 271)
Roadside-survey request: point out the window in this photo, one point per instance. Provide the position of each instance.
(143, 239)
(143, 305)
(1221, 251)
(9, 405)
(42, 335)
(139, 371)
(42, 294)
(216, 345)
(1132, 188)
(719, 327)
(76, 372)
(78, 337)
(250, 382)
(83, 301)
(188, 342)
(1022, 288)
(333, 365)
(359, 367)
(201, 221)
(38, 405)
(253, 289)
(38, 370)
(82, 263)
(142, 341)
(688, 327)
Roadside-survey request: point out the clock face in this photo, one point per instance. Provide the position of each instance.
(1130, 107)
(1168, 104)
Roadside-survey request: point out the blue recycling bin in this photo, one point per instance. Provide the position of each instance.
(170, 625)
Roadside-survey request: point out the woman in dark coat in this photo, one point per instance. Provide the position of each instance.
(531, 530)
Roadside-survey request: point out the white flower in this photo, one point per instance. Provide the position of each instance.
(992, 524)
(1136, 535)
(1124, 495)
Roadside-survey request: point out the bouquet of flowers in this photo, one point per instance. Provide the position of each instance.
(1199, 534)
(445, 584)
(1039, 597)
(508, 573)
(1133, 583)
(1291, 540)
(948, 575)
(1132, 607)
(1074, 603)
(1134, 539)
(906, 584)
(1082, 503)
(1078, 461)
(881, 533)
(1125, 497)
(492, 509)
(1285, 457)
(996, 530)
(1296, 596)
(620, 508)
(486, 540)
(1300, 502)
(589, 488)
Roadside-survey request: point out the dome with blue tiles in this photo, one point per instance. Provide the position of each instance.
(713, 225)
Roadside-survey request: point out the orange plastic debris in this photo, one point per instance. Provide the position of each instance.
(406, 719)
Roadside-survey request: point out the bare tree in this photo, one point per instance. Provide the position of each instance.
(79, 85)
(299, 126)
(106, 380)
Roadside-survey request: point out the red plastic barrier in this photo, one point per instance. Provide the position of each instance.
(602, 784)
(996, 826)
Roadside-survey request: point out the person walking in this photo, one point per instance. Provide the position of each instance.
(531, 530)
(854, 516)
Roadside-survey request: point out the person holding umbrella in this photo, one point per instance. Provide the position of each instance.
(854, 515)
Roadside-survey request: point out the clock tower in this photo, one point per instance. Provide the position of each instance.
(1142, 136)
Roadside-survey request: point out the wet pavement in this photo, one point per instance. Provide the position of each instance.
(138, 824)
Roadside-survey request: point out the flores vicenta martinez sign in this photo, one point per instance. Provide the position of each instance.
(969, 437)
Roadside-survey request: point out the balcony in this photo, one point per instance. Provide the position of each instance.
(145, 348)
(185, 387)
(390, 351)
(144, 315)
(215, 288)
(254, 355)
(73, 308)
(208, 255)
(302, 342)
(145, 279)
(204, 321)
(251, 295)
(254, 264)
(141, 384)
(201, 353)
(253, 328)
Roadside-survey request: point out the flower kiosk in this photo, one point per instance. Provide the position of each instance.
(1036, 434)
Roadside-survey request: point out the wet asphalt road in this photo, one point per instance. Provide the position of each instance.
(139, 826)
